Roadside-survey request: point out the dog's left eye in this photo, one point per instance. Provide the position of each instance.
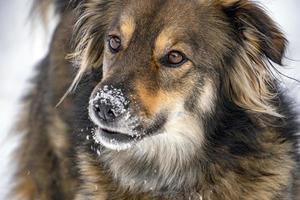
(174, 59)
(114, 43)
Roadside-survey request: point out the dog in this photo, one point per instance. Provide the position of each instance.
(160, 99)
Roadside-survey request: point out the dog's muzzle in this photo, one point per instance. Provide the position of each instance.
(109, 111)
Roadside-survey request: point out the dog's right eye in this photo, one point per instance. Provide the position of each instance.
(174, 59)
(114, 43)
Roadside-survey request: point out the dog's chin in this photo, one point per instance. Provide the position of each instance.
(115, 140)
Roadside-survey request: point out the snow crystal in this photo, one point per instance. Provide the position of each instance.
(98, 152)
(96, 138)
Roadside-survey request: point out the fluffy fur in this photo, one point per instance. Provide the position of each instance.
(215, 127)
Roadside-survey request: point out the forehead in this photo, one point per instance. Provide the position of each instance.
(160, 24)
(159, 14)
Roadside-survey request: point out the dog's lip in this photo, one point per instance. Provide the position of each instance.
(111, 132)
(117, 140)
(115, 135)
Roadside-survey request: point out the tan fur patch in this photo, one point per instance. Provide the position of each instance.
(228, 2)
(154, 101)
(163, 40)
(26, 189)
(127, 28)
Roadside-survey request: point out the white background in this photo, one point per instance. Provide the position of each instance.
(24, 42)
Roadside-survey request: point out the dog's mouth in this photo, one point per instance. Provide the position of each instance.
(116, 140)
(117, 136)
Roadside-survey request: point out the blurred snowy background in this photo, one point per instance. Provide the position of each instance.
(24, 42)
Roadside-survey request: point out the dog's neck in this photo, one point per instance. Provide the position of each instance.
(140, 172)
(214, 178)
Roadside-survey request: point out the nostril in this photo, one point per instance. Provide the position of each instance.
(98, 111)
(96, 108)
(110, 114)
(104, 112)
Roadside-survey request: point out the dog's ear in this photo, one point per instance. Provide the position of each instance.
(250, 83)
(254, 27)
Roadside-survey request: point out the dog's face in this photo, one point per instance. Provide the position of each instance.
(170, 70)
(158, 73)
(163, 67)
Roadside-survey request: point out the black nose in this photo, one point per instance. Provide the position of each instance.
(104, 111)
(109, 104)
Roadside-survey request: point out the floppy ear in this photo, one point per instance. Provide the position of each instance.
(256, 27)
(250, 82)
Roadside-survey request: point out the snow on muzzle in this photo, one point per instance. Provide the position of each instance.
(109, 108)
(117, 126)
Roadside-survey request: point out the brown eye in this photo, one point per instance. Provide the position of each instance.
(174, 59)
(114, 44)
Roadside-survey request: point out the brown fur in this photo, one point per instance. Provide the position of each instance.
(217, 127)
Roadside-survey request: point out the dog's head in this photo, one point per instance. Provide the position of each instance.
(166, 63)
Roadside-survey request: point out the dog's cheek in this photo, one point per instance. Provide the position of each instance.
(206, 100)
(153, 101)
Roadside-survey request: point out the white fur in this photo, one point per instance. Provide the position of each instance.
(181, 137)
(207, 97)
